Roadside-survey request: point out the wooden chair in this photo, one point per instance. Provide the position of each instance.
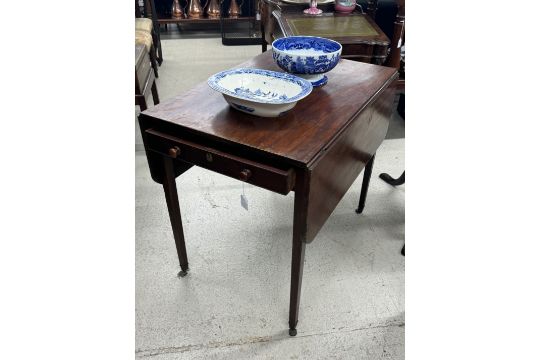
(144, 78)
(147, 32)
(148, 10)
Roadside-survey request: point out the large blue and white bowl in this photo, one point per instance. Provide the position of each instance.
(260, 92)
(307, 56)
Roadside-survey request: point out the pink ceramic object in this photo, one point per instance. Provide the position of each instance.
(345, 6)
(312, 10)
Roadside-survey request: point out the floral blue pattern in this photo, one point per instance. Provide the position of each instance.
(242, 107)
(258, 95)
(248, 93)
(305, 64)
(307, 43)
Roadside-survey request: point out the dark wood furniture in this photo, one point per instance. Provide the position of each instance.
(144, 78)
(360, 36)
(398, 40)
(269, 27)
(316, 150)
(235, 30)
(244, 30)
(164, 14)
(147, 9)
(394, 60)
(391, 181)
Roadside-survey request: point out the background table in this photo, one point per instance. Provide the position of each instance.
(360, 36)
(316, 150)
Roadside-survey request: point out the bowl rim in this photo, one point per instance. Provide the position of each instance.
(305, 85)
(307, 36)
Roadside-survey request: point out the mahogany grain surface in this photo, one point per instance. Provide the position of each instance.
(298, 139)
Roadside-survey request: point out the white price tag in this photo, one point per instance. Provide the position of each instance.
(244, 201)
(243, 198)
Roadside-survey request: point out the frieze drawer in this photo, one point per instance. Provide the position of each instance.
(259, 174)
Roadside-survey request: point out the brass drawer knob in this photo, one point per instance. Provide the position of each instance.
(174, 152)
(245, 174)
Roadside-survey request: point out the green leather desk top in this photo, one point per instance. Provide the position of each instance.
(332, 26)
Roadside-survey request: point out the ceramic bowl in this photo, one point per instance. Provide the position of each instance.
(345, 6)
(307, 56)
(260, 92)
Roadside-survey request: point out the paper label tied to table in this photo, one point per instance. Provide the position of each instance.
(244, 199)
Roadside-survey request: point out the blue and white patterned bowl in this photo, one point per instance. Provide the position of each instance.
(260, 92)
(308, 56)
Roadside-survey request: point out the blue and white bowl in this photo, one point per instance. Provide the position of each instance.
(307, 56)
(260, 92)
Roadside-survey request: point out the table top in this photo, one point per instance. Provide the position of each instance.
(344, 28)
(297, 137)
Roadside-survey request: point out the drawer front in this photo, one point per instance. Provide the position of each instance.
(143, 70)
(370, 53)
(258, 174)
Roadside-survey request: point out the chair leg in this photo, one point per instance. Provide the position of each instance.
(155, 95)
(160, 54)
(390, 180)
(264, 45)
(297, 268)
(153, 60)
(365, 185)
(142, 103)
(157, 45)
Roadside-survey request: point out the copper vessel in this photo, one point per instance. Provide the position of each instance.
(177, 12)
(212, 9)
(234, 10)
(195, 9)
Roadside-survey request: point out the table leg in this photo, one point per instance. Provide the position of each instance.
(297, 269)
(390, 180)
(155, 95)
(365, 185)
(298, 248)
(264, 45)
(171, 196)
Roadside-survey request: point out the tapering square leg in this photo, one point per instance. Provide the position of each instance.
(171, 196)
(301, 192)
(365, 185)
(155, 95)
(297, 269)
